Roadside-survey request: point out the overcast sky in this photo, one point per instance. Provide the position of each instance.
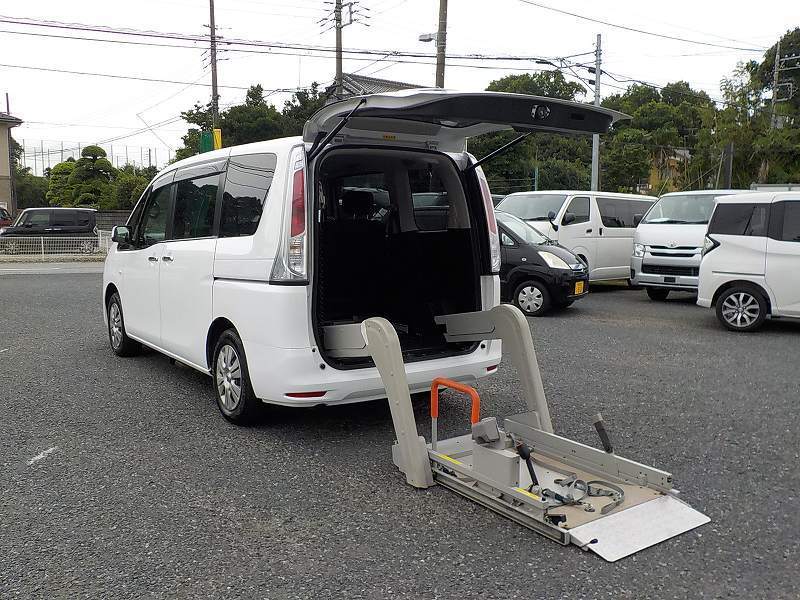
(71, 109)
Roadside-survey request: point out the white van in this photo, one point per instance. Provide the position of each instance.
(243, 262)
(668, 242)
(597, 226)
(751, 259)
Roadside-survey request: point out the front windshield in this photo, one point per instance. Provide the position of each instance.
(532, 207)
(682, 209)
(521, 229)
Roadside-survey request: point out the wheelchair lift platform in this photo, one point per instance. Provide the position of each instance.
(567, 491)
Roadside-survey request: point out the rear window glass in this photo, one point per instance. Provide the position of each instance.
(739, 219)
(247, 184)
(532, 207)
(791, 222)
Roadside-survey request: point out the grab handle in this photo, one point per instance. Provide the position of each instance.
(443, 382)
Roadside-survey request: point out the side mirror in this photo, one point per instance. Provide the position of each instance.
(568, 218)
(551, 217)
(637, 219)
(121, 234)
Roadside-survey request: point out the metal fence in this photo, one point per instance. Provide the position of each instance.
(54, 247)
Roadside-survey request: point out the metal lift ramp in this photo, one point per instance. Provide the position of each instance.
(567, 491)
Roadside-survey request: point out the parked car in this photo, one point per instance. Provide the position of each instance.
(597, 226)
(64, 230)
(497, 198)
(751, 259)
(536, 273)
(668, 242)
(256, 264)
(5, 217)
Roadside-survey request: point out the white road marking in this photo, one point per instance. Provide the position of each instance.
(41, 455)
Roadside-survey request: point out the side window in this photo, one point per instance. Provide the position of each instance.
(195, 204)
(153, 227)
(39, 218)
(505, 239)
(612, 212)
(739, 219)
(247, 184)
(791, 222)
(63, 218)
(579, 207)
(83, 218)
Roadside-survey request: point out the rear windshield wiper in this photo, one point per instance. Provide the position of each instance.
(322, 139)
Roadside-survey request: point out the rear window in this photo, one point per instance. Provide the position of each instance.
(84, 218)
(247, 184)
(532, 207)
(739, 219)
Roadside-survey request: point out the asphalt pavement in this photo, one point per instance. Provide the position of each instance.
(120, 479)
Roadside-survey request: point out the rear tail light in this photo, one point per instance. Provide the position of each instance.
(290, 264)
(488, 207)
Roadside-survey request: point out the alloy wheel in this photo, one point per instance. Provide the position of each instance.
(229, 378)
(115, 325)
(740, 309)
(530, 298)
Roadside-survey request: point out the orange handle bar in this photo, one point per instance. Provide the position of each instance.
(459, 387)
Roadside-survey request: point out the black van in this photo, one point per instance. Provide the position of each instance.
(51, 223)
(536, 274)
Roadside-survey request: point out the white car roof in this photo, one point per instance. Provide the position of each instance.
(705, 193)
(759, 197)
(577, 192)
(276, 146)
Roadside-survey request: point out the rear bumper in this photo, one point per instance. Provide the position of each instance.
(673, 281)
(276, 372)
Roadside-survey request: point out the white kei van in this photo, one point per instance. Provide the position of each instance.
(243, 262)
(751, 259)
(668, 242)
(597, 226)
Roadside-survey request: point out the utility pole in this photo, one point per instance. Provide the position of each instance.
(596, 137)
(337, 17)
(441, 43)
(763, 170)
(727, 166)
(214, 90)
(13, 200)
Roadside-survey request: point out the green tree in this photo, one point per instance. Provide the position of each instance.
(625, 160)
(30, 189)
(60, 192)
(129, 185)
(91, 179)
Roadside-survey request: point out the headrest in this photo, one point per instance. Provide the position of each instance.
(357, 203)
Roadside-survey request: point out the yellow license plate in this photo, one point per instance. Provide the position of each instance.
(579, 287)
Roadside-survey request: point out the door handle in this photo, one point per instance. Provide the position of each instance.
(600, 230)
(588, 231)
(152, 258)
(166, 258)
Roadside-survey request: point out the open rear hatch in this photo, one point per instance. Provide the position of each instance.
(443, 120)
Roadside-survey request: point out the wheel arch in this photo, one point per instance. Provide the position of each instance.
(219, 325)
(746, 284)
(111, 289)
(521, 274)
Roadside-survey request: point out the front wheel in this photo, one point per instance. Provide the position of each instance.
(657, 294)
(234, 393)
(741, 309)
(121, 344)
(532, 298)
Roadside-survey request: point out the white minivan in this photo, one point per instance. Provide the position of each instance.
(244, 263)
(668, 242)
(597, 226)
(751, 259)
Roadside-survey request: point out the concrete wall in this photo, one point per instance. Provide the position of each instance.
(106, 219)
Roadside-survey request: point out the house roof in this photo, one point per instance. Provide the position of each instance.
(360, 85)
(12, 121)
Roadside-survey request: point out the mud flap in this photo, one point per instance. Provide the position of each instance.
(626, 532)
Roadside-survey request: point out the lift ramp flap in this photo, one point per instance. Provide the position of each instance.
(650, 512)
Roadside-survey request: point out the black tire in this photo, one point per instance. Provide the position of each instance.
(657, 294)
(742, 308)
(121, 344)
(532, 298)
(224, 368)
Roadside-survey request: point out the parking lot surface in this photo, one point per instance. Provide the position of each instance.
(119, 478)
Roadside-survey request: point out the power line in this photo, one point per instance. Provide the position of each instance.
(642, 31)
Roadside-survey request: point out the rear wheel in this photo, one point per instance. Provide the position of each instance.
(741, 309)
(532, 298)
(121, 344)
(657, 294)
(233, 391)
